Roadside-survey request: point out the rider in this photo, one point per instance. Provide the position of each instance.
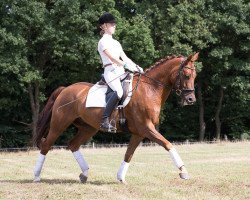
(114, 61)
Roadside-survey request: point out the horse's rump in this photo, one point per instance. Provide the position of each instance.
(71, 92)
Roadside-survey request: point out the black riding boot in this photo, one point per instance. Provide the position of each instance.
(111, 104)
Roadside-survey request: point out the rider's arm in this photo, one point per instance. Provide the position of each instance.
(126, 59)
(113, 59)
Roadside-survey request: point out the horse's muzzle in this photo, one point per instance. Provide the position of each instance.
(188, 99)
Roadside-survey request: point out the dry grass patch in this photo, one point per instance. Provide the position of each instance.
(218, 171)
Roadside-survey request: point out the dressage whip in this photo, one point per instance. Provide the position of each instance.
(91, 92)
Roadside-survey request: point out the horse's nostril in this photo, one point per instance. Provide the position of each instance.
(190, 100)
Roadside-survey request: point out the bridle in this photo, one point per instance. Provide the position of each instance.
(178, 82)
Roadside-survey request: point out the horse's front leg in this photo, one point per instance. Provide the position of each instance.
(152, 134)
(133, 144)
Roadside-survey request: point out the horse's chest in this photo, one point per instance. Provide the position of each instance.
(154, 114)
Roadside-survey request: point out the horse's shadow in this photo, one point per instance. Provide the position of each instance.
(60, 181)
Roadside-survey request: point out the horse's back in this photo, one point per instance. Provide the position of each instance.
(82, 84)
(75, 88)
(73, 94)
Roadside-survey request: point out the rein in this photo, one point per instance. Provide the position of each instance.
(158, 82)
(177, 89)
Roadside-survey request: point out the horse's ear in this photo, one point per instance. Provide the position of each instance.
(194, 57)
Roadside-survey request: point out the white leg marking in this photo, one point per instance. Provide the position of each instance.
(176, 158)
(38, 167)
(82, 163)
(122, 171)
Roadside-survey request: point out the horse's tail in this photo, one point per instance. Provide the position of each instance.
(44, 117)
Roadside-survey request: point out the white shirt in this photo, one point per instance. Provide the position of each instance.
(114, 47)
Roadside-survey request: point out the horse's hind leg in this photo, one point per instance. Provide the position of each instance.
(85, 132)
(53, 134)
(133, 144)
(58, 125)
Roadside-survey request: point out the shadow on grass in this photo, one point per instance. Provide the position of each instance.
(60, 181)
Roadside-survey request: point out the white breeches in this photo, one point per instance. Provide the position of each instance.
(113, 75)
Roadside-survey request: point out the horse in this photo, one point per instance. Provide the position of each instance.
(66, 106)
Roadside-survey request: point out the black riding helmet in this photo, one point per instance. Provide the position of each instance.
(106, 18)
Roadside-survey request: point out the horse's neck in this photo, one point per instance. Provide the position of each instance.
(165, 73)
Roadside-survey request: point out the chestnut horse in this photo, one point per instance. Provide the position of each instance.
(66, 106)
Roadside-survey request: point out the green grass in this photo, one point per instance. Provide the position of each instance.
(218, 171)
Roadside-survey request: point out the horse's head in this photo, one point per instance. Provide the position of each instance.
(184, 83)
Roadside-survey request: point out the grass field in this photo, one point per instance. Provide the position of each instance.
(218, 171)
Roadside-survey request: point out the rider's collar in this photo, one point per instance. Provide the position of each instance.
(107, 35)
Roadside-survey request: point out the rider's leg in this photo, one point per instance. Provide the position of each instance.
(113, 79)
(111, 104)
(114, 83)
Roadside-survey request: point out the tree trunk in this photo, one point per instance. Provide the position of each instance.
(34, 103)
(201, 114)
(217, 114)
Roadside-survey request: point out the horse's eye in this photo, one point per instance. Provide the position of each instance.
(187, 76)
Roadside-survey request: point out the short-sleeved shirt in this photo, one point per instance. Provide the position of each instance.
(113, 46)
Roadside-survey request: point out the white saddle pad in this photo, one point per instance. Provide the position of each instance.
(97, 94)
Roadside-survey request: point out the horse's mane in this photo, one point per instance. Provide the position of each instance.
(163, 60)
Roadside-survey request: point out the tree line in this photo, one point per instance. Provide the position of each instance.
(45, 44)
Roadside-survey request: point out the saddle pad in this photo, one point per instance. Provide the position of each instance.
(97, 93)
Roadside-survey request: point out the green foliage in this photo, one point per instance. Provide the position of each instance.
(53, 43)
(137, 41)
(11, 137)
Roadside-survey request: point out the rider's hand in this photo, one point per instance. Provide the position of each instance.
(129, 67)
(139, 69)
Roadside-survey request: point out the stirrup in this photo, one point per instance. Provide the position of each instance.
(110, 128)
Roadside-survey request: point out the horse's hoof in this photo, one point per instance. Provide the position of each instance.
(37, 179)
(122, 181)
(184, 176)
(83, 178)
